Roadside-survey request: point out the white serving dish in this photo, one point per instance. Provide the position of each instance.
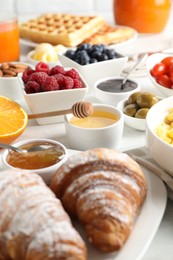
(150, 62)
(111, 98)
(136, 123)
(45, 173)
(10, 86)
(159, 150)
(53, 101)
(86, 138)
(93, 72)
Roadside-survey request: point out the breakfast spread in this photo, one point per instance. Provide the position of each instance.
(139, 103)
(12, 69)
(44, 78)
(71, 30)
(163, 72)
(88, 54)
(96, 120)
(104, 190)
(165, 129)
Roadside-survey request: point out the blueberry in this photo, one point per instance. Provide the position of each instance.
(84, 46)
(70, 54)
(97, 47)
(93, 60)
(95, 54)
(103, 57)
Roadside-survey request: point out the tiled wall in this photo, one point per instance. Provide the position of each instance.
(27, 8)
(85, 6)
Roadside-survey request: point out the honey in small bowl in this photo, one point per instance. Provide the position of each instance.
(98, 119)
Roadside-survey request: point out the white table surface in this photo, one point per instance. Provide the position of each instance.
(161, 246)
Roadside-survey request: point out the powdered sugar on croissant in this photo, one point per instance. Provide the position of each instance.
(33, 223)
(104, 189)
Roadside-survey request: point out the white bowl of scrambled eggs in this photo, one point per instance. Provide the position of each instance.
(159, 133)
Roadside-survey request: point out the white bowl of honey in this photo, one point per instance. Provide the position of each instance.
(103, 128)
(44, 161)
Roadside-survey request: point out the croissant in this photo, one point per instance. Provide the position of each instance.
(33, 223)
(104, 189)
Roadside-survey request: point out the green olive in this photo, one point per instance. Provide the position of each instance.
(141, 113)
(146, 100)
(130, 110)
(132, 98)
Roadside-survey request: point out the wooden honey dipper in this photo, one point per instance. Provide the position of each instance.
(80, 109)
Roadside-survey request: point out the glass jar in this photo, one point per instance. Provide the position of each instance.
(9, 32)
(146, 16)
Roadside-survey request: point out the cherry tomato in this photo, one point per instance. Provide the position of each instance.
(158, 69)
(171, 77)
(164, 80)
(168, 61)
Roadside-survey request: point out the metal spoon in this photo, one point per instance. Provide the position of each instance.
(133, 68)
(37, 147)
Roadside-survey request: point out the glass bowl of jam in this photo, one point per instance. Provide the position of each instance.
(42, 156)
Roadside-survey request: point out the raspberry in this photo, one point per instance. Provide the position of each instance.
(50, 84)
(26, 74)
(57, 70)
(59, 78)
(39, 77)
(42, 67)
(32, 87)
(67, 83)
(77, 83)
(72, 73)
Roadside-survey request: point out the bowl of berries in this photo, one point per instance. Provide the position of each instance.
(93, 61)
(160, 71)
(48, 89)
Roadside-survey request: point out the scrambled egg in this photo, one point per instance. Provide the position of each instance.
(165, 129)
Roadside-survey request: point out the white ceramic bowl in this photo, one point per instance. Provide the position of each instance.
(150, 62)
(87, 138)
(111, 98)
(35, 62)
(92, 72)
(136, 123)
(159, 150)
(10, 86)
(53, 101)
(47, 172)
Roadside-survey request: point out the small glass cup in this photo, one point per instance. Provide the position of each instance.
(9, 35)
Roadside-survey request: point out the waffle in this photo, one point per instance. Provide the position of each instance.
(66, 29)
(110, 35)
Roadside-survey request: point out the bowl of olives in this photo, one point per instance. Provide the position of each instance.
(136, 107)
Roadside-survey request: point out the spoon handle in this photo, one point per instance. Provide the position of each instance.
(134, 67)
(10, 147)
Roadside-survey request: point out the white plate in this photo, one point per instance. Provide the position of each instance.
(32, 44)
(146, 224)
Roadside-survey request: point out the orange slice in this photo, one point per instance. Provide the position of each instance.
(13, 120)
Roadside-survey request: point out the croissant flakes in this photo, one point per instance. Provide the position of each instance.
(104, 189)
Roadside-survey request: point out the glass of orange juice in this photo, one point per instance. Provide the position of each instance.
(9, 37)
